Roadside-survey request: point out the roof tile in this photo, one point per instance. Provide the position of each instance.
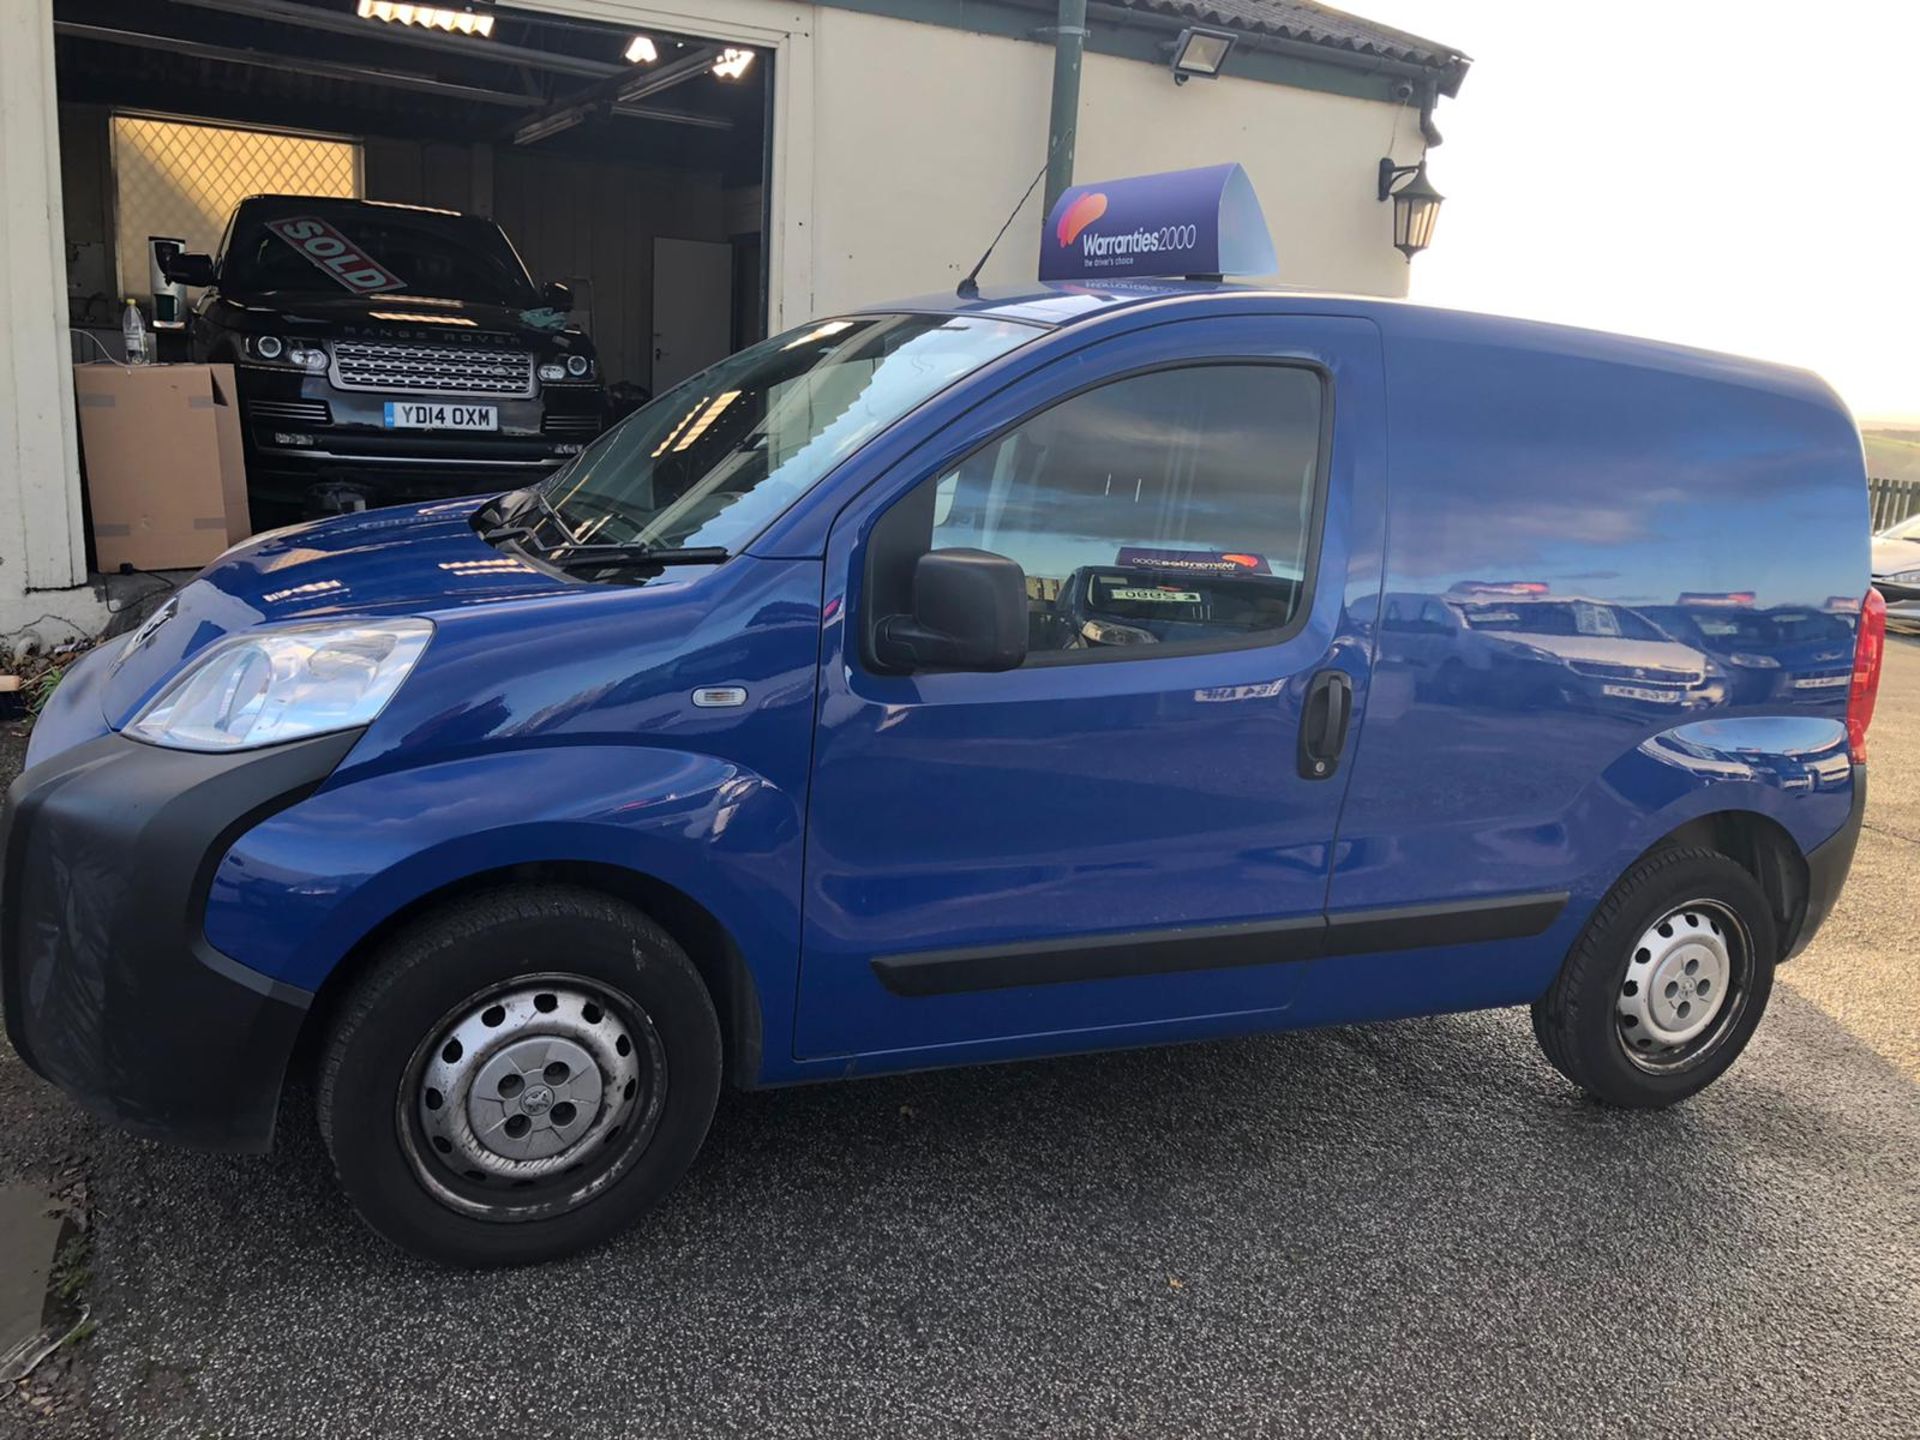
(1306, 21)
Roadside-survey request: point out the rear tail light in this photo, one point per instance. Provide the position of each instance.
(1869, 648)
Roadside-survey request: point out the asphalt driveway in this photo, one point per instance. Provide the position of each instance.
(1414, 1227)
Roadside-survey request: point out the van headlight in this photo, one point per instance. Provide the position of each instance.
(284, 682)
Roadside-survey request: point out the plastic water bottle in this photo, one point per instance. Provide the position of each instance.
(134, 329)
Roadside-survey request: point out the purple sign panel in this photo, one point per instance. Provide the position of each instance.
(1182, 222)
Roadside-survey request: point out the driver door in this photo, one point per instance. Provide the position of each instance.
(1123, 833)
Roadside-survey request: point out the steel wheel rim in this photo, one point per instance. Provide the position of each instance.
(529, 1098)
(1686, 986)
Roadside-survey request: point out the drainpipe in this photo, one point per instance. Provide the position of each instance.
(1069, 38)
(1429, 97)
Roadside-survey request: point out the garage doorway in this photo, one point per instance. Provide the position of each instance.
(626, 168)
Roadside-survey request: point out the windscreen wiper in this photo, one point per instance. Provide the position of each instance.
(513, 506)
(569, 557)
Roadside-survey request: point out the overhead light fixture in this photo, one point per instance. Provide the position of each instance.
(431, 17)
(642, 51)
(1416, 205)
(1200, 51)
(732, 64)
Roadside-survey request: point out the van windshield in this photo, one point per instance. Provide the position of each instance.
(714, 460)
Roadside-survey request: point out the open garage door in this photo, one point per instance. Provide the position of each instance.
(473, 341)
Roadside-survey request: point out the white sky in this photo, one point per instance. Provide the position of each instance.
(1742, 175)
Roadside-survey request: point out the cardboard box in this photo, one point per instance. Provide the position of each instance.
(166, 478)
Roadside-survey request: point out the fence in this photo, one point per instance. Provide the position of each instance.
(1892, 501)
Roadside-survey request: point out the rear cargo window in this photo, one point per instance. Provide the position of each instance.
(1173, 508)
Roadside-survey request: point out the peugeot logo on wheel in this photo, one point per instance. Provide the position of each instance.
(537, 1099)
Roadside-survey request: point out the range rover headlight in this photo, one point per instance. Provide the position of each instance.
(286, 682)
(305, 355)
(553, 370)
(579, 366)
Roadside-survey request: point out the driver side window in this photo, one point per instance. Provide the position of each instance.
(1171, 508)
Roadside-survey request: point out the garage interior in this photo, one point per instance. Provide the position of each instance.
(630, 167)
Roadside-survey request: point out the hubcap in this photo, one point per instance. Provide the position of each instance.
(1683, 986)
(528, 1099)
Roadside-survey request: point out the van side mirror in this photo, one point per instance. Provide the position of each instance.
(969, 613)
(556, 296)
(182, 267)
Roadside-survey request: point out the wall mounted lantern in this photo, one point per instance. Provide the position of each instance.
(1416, 205)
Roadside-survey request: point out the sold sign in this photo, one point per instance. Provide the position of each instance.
(328, 250)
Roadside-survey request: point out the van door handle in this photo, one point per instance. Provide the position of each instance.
(1323, 723)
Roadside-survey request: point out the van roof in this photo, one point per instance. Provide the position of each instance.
(1057, 305)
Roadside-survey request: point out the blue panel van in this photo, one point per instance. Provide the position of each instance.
(965, 680)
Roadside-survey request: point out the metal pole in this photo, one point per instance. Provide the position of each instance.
(1069, 38)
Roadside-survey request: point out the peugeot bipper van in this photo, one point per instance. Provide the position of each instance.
(958, 681)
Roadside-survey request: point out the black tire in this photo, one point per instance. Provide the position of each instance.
(1579, 1021)
(526, 935)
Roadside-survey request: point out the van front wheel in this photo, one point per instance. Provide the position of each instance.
(519, 1076)
(1664, 988)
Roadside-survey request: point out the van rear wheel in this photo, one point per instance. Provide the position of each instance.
(1664, 988)
(519, 1076)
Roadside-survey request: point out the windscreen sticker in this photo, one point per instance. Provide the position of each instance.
(335, 256)
(1155, 597)
(1193, 562)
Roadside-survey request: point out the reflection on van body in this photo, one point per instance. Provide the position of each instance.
(1783, 652)
(1516, 644)
(1787, 754)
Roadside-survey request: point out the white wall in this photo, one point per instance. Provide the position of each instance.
(1313, 157)
(926, 136)
(42, 559)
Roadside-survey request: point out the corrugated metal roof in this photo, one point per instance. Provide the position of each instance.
(1308, 22)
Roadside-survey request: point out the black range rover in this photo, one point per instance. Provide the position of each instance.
(388, 353)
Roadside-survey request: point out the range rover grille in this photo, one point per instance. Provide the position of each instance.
(432, 369)
(587, 425)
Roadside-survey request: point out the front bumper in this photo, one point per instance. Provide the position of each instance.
(110, 987)
(313, 449)
(1903, 601)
